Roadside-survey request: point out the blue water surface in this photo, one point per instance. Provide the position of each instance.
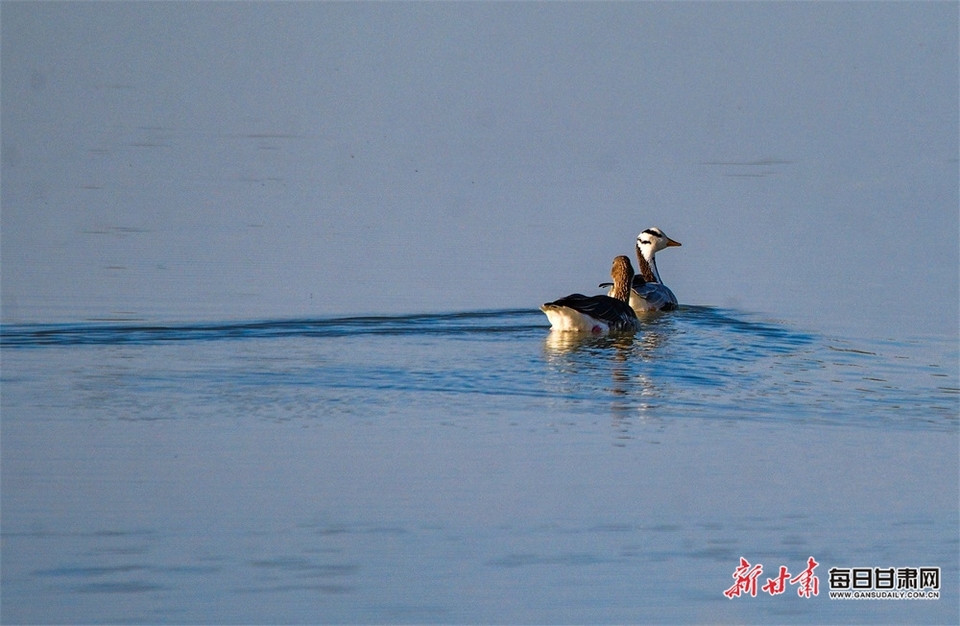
(468, 467)
(199, 199)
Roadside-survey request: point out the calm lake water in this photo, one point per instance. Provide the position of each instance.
(201, 201)
(469, 467)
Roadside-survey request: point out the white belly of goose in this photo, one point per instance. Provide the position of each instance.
(570, 320)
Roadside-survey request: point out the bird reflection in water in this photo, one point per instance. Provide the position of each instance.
(586, 364)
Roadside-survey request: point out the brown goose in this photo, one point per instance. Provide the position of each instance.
(597, 314)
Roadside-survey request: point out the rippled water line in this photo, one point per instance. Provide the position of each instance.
(26, 335)
(496, 321)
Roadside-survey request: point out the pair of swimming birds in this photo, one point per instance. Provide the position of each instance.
(631, 293)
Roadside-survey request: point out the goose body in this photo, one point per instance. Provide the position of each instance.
(597, 314)
(646, 297)
(648, 293)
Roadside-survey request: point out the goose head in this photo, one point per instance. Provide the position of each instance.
(653, 240)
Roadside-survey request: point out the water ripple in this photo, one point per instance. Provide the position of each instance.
(27, 335)
(701, 362)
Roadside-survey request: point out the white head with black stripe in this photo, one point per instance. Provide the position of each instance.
(653, 240)
(649, 242)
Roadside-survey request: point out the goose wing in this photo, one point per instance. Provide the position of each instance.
(602, 308)
(657, 295)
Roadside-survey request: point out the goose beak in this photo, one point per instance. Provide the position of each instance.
(671, 243)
